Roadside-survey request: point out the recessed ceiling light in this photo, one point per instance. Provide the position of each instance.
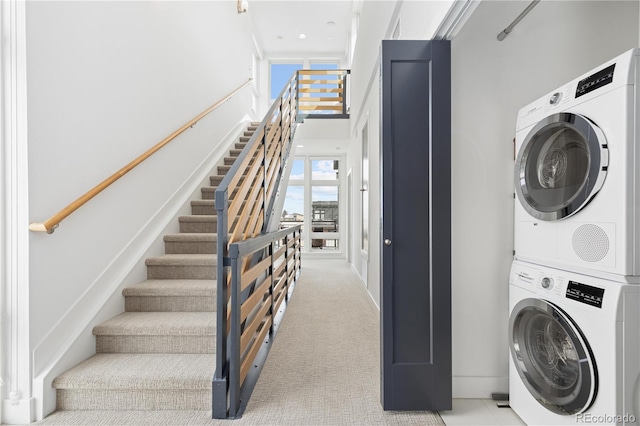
(331, 24)
(300, 146)
(302, 36)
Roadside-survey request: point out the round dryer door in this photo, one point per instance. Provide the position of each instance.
(552, 357)
(561, 166)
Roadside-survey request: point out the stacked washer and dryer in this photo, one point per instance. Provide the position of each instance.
(574, 293)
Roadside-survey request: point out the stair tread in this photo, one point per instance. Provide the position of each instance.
(208, 203)
(203, 202)
(140, 371)
(191, 237)
(182, 259)
(170, 287)
(209, 189)
(199, 218)
(158, 324)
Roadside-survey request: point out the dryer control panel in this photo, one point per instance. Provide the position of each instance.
(586, 294)
(595, 81)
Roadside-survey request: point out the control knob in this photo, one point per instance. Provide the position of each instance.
(555, 98)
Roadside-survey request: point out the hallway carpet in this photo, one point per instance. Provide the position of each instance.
(323, 368)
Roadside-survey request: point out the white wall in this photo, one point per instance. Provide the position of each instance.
(106, 81)
(377, 20)
(491, 80)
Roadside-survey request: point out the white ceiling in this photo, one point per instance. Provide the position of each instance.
(277, 25)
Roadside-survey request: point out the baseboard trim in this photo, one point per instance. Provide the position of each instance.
(479, 387)
(70, 340)
(18, 412)
(371, 299)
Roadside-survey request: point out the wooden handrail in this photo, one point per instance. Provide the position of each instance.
(52, 223)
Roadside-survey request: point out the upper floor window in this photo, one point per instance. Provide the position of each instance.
(323, 65)
(280, 75)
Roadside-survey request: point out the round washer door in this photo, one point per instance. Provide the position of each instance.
(561, 166)
(552, 357)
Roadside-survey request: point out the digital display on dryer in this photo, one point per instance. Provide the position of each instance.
(586, 294)
(595, 81)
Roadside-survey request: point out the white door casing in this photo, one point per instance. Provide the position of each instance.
(17, 401)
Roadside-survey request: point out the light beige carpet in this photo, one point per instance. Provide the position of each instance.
(323, 368)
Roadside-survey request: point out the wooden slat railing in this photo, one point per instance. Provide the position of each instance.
(255, 269)
(244, 203)
(53, 222)
(278, 271)
(323, 93)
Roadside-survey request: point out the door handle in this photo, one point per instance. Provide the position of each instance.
(387, 242)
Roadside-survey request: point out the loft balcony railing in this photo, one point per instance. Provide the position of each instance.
(257, 268)
(322, 94)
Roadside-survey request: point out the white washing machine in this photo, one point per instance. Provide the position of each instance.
(577, 174)
(575, 348)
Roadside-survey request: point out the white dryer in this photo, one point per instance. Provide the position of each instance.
(577, 174)
(575, 348)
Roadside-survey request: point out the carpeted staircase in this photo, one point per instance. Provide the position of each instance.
(160, 353)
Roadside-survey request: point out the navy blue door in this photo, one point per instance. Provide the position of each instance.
(416, 225)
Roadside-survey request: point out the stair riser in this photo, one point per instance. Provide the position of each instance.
(207, 210)
(191, 247)
(199, 227)
(170, 304)
(223, 170)
(228, 161)
(135, 399)
(215, 182)
(209, 193)
(180, 272)
(200, 209)
(157, 344)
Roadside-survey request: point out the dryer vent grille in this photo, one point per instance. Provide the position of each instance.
(590, 243)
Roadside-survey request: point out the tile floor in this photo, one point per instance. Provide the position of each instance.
(479, 412)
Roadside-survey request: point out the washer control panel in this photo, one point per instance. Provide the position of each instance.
(586, 294)
(547, 283)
